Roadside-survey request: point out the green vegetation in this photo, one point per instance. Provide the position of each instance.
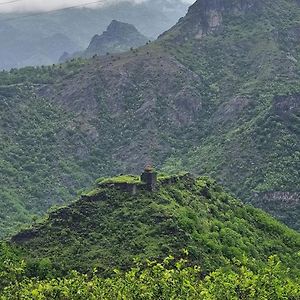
(117, 243)
(220, 100)
(168, 280)
(251, 138)
(225, 105)
(130, 179)
(38, 170)
(134, 179)
(109, 228)
(30, 76)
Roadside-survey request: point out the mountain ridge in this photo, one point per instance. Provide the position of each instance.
(225, 106)
(114, 223)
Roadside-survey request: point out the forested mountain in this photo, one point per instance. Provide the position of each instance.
(246, 53)
(174, 237)
(121, 220)
(25, 37)
(217, 94)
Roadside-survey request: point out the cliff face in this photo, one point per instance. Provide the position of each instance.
(119, 37)
(206, 16)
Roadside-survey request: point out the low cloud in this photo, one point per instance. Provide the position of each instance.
(7, 6)
(42, 5)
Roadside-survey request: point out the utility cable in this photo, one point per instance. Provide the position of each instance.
(10, 2)
(51, 11)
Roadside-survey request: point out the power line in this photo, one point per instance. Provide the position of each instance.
(9, 2)
(51, 11)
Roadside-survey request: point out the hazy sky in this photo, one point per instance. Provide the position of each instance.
(45, 5)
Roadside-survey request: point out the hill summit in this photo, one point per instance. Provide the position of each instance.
(151, 216)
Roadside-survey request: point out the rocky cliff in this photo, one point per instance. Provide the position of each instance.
(119, 37)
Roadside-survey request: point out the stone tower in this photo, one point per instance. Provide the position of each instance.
(149, 177)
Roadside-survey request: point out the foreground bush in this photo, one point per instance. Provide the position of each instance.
(167, 280)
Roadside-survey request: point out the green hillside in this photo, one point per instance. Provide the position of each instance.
(179, 238)
(111, 226)
(217, 95)
(38, 170)
(248, 63)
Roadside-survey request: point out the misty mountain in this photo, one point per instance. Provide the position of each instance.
(25, 38)
(218, 94)
(119, 37)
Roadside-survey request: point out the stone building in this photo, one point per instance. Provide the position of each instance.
(149, 177)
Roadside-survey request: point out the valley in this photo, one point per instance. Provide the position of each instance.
(211, 108)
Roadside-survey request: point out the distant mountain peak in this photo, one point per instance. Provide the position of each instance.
(117, 27)
(119, 37)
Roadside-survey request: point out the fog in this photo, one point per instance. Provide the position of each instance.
(8, 6)
(40, 38)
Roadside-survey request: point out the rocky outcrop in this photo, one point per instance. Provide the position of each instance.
(205, 16)
(286, 106)
(281, 204)
(119, 37)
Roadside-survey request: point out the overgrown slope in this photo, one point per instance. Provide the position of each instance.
(109, 227)
(87, 132)
(218, 94)
(247, 54)
(39, 167)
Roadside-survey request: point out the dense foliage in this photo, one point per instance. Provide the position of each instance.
(216, 99)
(224, 105)
(250, 72)
(168, 280)
(117, 240)
(109, 228)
